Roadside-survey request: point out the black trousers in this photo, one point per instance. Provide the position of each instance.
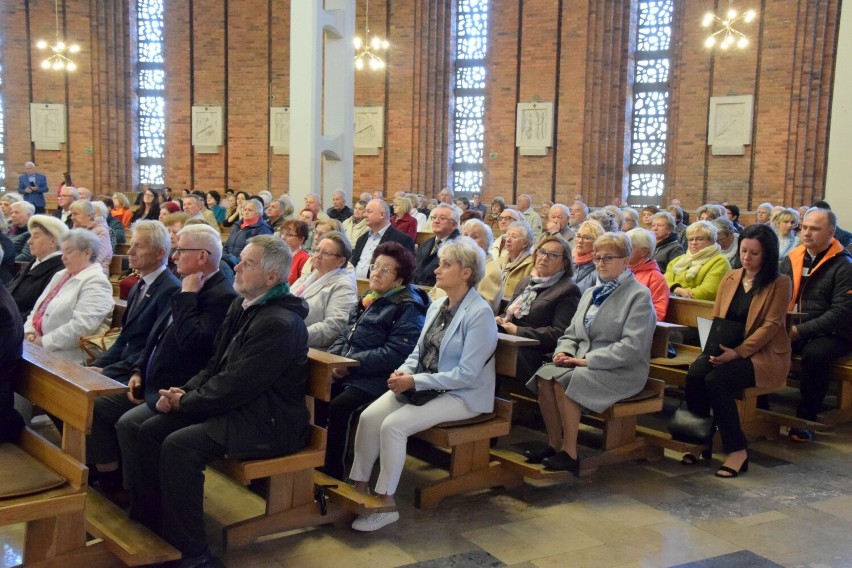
(166, 461)
(343, 413)
(716, 387)
(817, 356)
(102, 444)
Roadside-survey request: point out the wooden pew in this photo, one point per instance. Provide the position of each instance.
(423, 236)
(56, 523)
(123, 248)
(290, 500)
(118, 265)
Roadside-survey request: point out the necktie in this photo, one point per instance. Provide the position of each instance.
(137, 299)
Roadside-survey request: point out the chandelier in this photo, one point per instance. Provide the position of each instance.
(58, 61)
(365, 50)
(726, 33)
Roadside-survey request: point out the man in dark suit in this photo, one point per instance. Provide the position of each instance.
(377, 217)
(179, 343)
(148, 299)
(445, 222)
(247, 403)
(12, 325)
(33, 185)
(64, 199)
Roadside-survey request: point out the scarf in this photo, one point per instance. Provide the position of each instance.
(582, 258)
(314, 281)
(691, 263)
(512, 264)
(520, 306)
(601, 293)
(371, 296)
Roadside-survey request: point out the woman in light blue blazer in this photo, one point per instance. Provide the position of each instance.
(453, 363)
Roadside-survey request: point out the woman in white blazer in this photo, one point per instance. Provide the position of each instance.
(453, 360)
(77, 301)
(329, 290)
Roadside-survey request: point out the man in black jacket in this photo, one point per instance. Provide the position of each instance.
(11, 348)
(445, 222)
(377, 215)
(248, 402)
(821, 271)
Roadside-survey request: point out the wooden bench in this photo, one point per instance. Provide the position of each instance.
(56, 519)
(423, 236)
(123, 248)
(290, 500)
(118, 265)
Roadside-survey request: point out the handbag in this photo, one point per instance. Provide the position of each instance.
(723, 332)
(686, 426)
(96, 345)
(419, 397)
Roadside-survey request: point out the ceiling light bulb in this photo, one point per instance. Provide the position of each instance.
(708, 19)
(74, 48)
(385, 44)
(711, 41)
(60, 46)
(58, 65)
(357, 42)
(732, 14)
(743, 42)
(750, 16)
(71, 66)
(41, 44)
(45, 64)
(375, 43)
(359, 64)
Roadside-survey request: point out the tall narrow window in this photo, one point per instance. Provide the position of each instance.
(469, 95)
(650, 102)
(151, 77)
(3, 183)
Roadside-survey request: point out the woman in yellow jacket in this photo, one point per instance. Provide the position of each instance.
(697, 273)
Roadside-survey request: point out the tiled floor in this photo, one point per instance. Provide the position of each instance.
(793, 508)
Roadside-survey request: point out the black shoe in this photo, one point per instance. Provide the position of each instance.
(561, 461)
(726, 472)
(538, 454)
(205, 560)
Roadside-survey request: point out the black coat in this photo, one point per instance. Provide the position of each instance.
(11, 348)
(550, 314)
(31, 281)
(251, 395)
(391, 235)
(381, 337)
(7, 266)
(119, 360)
(177, 351)
(427, 260)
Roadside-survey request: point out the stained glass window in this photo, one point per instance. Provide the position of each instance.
(151, 81)
(650, 102)
(469, 95)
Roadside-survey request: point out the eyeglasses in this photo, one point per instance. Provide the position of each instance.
(179, 251)
(324, 254)
(381, 270)
(439, 218)
(606, 259)
(585, 237)
(541, 253)
(697, 239)
(506, 218)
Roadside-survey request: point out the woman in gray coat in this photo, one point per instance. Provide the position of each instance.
(602, 358)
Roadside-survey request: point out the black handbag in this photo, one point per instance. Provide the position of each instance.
(419, 397)
(686, 426)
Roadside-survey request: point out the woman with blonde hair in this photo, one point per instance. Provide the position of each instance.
(585, 273)
(783, 223)
(518, 262)
(122, 210)
(402, 219)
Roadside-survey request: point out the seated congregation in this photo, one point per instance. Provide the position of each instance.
(226, 319)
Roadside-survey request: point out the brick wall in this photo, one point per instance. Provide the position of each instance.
(235, 53)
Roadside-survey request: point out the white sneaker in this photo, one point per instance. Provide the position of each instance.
(375, 521)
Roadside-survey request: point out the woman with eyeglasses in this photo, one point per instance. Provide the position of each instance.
(329, 290)
(697, 273)
(543, 305)
(603, 356)
(380, 334)
(294, 232)
(518, 261)
(585, 275)
(451, 369)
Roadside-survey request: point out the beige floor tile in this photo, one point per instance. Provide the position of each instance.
(377, 554)
(838, 506)
(683, 542)
(759, 518)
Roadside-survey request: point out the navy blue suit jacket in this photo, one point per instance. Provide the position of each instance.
(391, 235)
(36, 197)
(118, 362)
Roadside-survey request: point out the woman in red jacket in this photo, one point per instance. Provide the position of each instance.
(647, 271)
(402, 219)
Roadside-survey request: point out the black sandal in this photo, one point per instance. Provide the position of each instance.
(690, 459)
(729, 472)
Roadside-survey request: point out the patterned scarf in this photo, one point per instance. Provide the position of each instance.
(691, 263)
(601, 293)
(520, 306)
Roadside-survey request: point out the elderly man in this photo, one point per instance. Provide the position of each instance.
(64, 200)
(821, 270)
(33, 185)
(85, 193)
(558, 223)
(275, 214)
(579, 212)
(313, 203)
(339, 210)
(379, 230)
(530, 216)
(248, 402)
(19, 234)
(445, 222)
(194, 206)
(668, 247)
(445, 196)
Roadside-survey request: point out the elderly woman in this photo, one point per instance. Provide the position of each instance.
(121, 209)
(726, 237)
(382, 330)
(491, 285)
(697, 273)
(543, 305)
(452, 378)
(585, 275)
(783, 223)
(250, 226)
(356, 225)
(764, 213)
(402, 219)
(646, 270)
(150, 206)
(294, 232)
(30, 282)
(329, 290)
(602, 358)
(84, 217)
(667, 245)
(756, 296)
(77, 301)
(492, 219)
(631, 219)
(6, 202)
(168, 208)
(507, 217)
(710, 211)
(518, 261)
(321, 227)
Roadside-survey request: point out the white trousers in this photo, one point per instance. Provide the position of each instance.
(383, 432)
